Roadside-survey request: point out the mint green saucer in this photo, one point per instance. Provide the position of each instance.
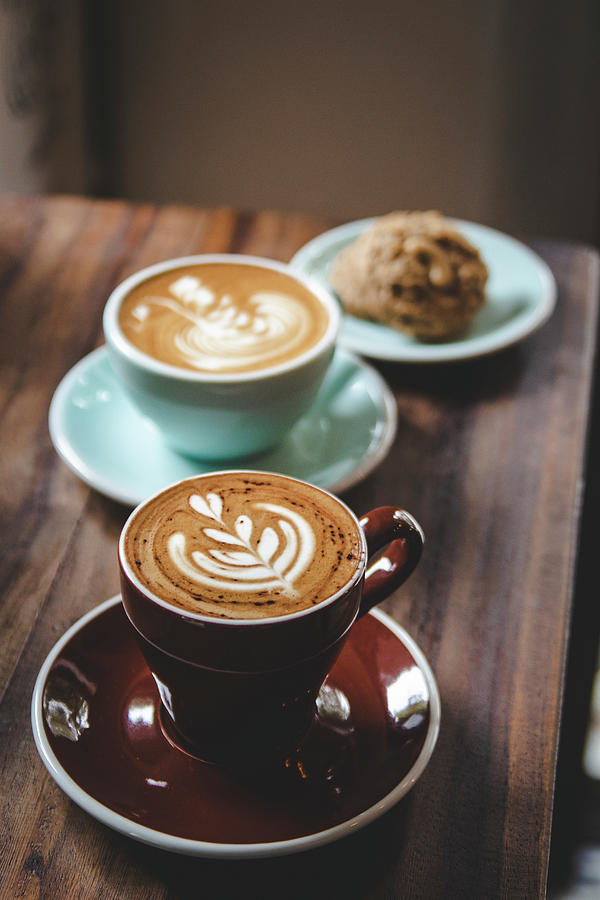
(520, 297)
(106, 442)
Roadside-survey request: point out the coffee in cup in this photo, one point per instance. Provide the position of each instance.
(220, 317)
(223, 353)
(242, 587)
(242, 546)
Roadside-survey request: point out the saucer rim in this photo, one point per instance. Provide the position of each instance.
(77, 464)
(453, 351)
(189, 846)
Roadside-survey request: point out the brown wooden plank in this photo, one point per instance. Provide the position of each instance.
(488, 456)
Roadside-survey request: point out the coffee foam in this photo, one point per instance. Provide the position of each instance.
(222, 318)
(241, 545)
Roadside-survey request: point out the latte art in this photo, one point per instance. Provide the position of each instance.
(284, 550)
(223, 336)
(221, 318)
(239, 546)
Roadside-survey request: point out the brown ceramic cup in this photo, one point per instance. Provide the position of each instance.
(243, 691)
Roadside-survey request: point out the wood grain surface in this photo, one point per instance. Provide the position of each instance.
(489, 456)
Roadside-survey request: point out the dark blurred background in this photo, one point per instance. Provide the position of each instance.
(485, 109)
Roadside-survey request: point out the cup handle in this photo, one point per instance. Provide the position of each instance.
(404, 536)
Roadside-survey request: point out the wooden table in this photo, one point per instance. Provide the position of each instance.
(489, 456)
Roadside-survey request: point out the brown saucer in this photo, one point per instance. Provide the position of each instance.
(96, 723)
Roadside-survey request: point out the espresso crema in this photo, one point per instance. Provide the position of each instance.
(222, 318)
(243, 546)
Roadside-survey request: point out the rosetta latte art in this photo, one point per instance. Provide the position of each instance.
(243, 545)
(213, 333)
(281, 554)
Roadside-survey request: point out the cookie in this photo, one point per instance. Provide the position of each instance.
(414, 272)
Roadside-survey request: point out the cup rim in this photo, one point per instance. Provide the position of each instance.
(119, 343)
(269, 620)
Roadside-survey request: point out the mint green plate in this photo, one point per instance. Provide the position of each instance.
(520, 297)
(107, 443)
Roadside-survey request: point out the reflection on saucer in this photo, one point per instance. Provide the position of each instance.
(376, 727)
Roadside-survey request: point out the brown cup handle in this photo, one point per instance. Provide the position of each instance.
(403, 534)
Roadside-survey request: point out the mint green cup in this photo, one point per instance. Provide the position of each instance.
(228, 415)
